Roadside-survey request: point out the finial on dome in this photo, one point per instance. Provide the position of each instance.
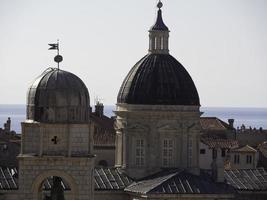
(159, 34)
(58, 58)
(159, 24)
(160, 4)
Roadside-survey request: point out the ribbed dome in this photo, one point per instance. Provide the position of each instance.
(158, 79)
(58, 96)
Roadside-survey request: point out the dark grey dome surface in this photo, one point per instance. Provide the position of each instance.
(158, 79)
(58, 96)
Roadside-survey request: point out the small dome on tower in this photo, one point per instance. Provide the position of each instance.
(58, 96)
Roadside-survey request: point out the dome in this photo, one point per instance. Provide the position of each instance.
(58, 96)
(158, 79)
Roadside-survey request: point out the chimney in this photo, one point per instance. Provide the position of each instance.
(99, 109)
(231, 122)
(7, 125)
(217, 166)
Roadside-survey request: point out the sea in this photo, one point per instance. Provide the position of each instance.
(250, 117)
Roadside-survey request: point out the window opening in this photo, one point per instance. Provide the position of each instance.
(140, 153)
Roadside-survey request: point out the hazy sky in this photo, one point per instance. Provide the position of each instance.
(221, 43)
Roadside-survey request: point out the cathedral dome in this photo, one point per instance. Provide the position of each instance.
(58, 96)
(158, 79)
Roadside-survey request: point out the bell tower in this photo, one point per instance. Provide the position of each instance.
(57, 142)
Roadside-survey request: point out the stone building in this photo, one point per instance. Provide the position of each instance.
(213, 127)
(251, 136)
(9, 146)
(211, 148)
(57, 137)
(157, 104)
(245, 157)
(157, 139)
(104, 137)
(262, 148)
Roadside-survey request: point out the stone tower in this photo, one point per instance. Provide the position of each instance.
(56, 137)
(157, 114)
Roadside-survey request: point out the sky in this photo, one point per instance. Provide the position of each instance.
(221, 43)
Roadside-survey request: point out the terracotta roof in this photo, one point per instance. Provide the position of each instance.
(103, 121)
(221, 143)
(247, 179)
(101, 139)
(213, 123)
(246, 148)
(104, 133)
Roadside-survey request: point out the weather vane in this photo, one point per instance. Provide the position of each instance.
(58, 58)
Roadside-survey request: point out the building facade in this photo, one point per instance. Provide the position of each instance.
(157, 114)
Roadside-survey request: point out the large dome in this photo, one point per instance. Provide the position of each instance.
(58, 96)
(158, 79)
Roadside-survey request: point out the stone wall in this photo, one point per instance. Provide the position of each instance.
(56, 139)
(77, 172)
(105, 153)
(153, 124)
(242, 164)
(251, 138)
(206, 159)
(111, 195)
(9, 195)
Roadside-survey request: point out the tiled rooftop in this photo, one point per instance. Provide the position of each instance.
(104, 133)
(110, 179)
(246, 148)
(213, 123)
(221, 143)
(166, 182)
(247, 179)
